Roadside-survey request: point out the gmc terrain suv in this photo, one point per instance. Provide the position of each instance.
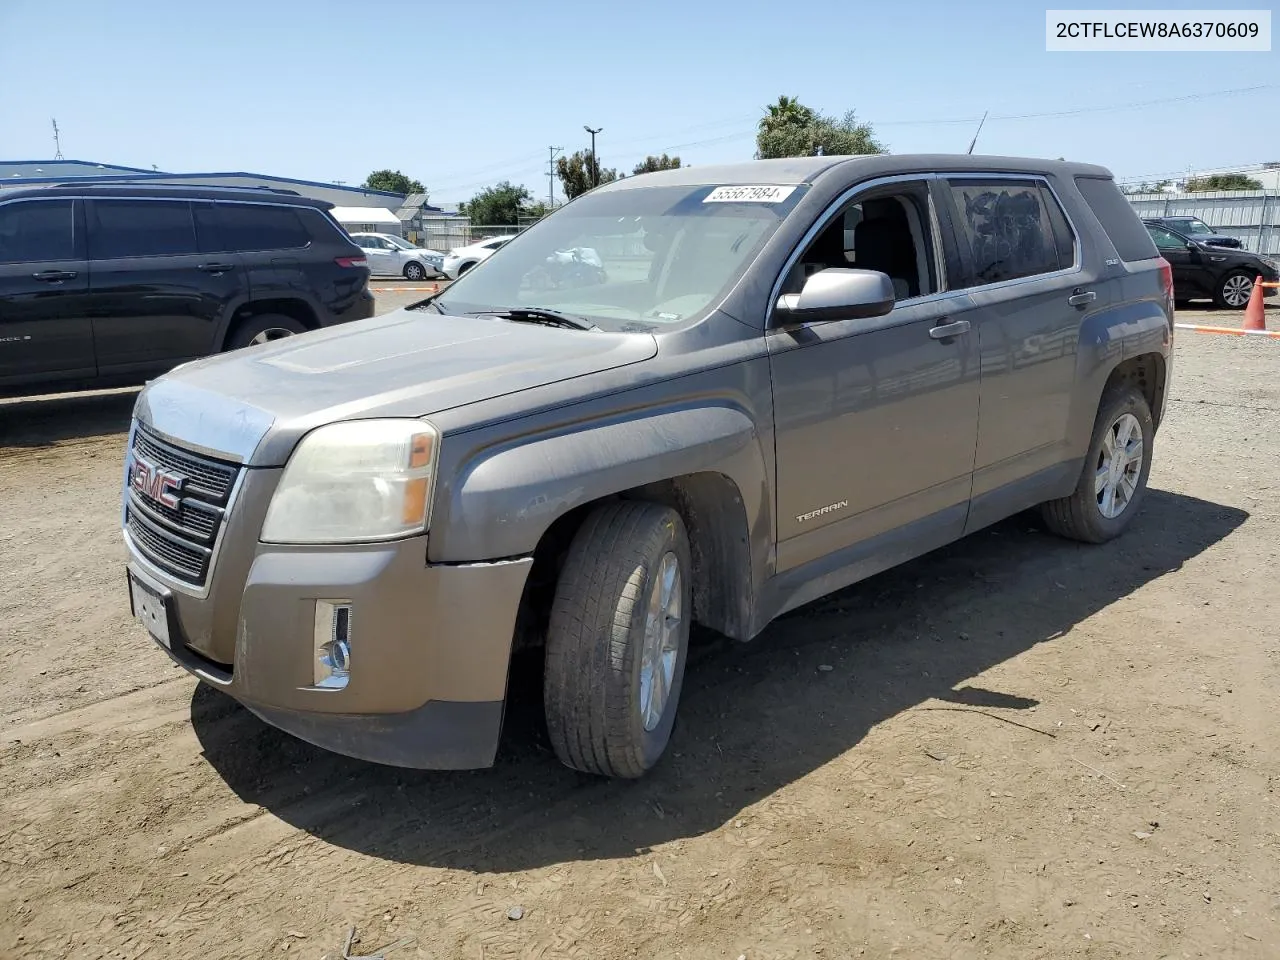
(792, 374)
(109, 285)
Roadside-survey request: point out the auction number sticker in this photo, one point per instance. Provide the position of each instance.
(749, 194)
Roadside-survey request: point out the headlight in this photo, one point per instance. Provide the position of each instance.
(356, 481)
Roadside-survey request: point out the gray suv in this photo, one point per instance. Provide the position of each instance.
(788, 376)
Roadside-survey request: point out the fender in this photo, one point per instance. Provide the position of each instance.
(505, 497)
(1107, 339)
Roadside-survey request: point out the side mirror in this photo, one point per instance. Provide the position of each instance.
(838, 293)
(1190, 245)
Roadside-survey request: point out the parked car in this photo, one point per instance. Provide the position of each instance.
(461, 259)
(104, 285)
(1219, 274)
(1196, 229)
(392, 256)
(819, 368)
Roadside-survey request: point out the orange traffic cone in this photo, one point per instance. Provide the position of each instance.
(1254, 317)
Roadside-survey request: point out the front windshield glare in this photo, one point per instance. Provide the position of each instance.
(630, 258)
(1197, 226)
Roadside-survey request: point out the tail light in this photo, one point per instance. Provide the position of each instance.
(351, 261)
(1166, 282)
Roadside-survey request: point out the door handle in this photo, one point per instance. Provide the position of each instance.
(216, 267)
(54, 276)
(1081, 297)
(948, 330)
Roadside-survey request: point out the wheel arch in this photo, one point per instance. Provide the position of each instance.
(293, 307)
(706, 463)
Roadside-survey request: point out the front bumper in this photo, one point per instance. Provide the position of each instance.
(430, 647)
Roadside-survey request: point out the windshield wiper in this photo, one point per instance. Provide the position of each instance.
(551, 318)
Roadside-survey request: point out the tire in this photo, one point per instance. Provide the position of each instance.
(263, 328)
(1084, 515)
(463, 268)
(1181, 304)
(594, 692)
(415, 271)
(1232, 291)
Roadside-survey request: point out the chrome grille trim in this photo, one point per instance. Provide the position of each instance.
(178, 546)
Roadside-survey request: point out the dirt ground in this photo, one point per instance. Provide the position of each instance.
(1015, 747)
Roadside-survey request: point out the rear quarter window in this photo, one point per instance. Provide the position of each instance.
(247, 227)
(1123, 225)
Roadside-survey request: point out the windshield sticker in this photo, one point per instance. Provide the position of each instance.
(749, 194)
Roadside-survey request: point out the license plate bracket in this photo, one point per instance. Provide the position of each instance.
(151, 610)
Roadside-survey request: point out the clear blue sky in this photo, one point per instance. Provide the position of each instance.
(462, 94)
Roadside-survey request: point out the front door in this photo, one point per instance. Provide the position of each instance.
(157, 300)
(45, 333)
(876, 418)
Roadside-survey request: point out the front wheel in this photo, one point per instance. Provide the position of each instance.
(415, 271)
(618, 639)
(1114, 479)
(1234, 291)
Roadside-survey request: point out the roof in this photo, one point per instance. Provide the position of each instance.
(807, 169)
(62, 169)
(92, 188)
(36, 172)
(364, 215)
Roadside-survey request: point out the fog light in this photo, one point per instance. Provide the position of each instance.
(332, 644)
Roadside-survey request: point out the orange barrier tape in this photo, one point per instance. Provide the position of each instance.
(1229, 331)
(1276, 285)
(435, 289)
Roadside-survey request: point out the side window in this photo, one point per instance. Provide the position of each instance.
(35, 230)
(140, 228)
(1166, 240)
(1007, 228)
(1064, 240)
(1117, 217)
(248, 227)
(891, 233)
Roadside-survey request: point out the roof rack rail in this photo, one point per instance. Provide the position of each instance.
(92, 182)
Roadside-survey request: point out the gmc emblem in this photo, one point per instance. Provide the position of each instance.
(156, 483)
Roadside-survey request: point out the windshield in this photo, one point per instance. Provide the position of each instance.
(629, 259)
(1193, 226)
(402, 244)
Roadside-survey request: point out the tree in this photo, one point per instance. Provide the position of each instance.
(575, 173)
(1158, 187)
(500, 204)
(653, 164)
(392, 181)
(1222, 181)
(790, 129)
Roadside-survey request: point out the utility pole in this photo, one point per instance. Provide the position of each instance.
(57, 142)
(551, 175)
(595, 163)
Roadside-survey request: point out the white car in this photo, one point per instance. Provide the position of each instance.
(392, 256)
(462, 259)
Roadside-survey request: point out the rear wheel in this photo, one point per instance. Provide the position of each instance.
(1234, 291)
(1114, 479)
(264, 328)
(415, 271)
(618, 639)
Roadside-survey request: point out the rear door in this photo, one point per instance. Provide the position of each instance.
(1190, 276)
(45, 333)
(157, 300)
(272, 243)
(1032, 288)
(379, 253)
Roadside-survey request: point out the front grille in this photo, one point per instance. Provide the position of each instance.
(178, 539)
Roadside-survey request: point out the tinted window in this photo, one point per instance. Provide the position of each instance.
(141, 228)
(37, 230)
(248, 227)
(1007, 228)
(1063, 237)
(1166, 240)
(1118, 218)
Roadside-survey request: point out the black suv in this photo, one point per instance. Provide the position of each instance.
(1201, 271)
(111, 285)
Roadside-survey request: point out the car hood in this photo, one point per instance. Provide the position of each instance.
(253, 405)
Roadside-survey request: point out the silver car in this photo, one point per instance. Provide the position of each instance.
(392, 256)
